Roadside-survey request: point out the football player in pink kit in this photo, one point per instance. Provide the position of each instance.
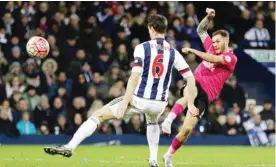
(217, 65)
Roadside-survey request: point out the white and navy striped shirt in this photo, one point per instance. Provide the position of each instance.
(155, 59)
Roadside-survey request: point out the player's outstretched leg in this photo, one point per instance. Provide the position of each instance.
(84, 131)
(178, 107)
(181, 137)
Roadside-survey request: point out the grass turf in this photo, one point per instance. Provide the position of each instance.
(135, 156)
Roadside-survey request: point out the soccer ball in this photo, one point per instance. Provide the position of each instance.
(37, 47)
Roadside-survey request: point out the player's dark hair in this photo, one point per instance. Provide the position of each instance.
(158, 22)
(223, 33)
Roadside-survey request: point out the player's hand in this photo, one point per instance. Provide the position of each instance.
(193, 110)
(211, 13)
(121, 110)
(186, 50)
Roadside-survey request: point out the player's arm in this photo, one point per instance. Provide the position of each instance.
(131, 86)
(135, 73)
(203, 25)
(132, 81)
(183, 68)
(205, 56)
(192, 90)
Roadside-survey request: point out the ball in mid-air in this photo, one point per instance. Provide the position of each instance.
(37, 47)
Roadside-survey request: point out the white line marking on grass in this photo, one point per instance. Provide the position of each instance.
(135, 163)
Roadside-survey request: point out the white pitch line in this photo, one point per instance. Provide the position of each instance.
(144, 162)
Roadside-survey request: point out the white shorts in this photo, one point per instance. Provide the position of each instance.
(153, 109)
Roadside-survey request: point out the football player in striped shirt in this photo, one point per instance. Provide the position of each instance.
(147, 90)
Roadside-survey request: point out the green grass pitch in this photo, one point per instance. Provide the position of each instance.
(135, 156)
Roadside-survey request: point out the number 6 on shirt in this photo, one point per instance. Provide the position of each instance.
(158, 64)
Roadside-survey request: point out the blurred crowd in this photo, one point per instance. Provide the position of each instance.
(89, 62)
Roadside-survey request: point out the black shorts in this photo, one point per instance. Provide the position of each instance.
(201, 100)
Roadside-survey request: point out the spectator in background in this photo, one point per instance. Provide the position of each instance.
(7, 126)
(14, 86)
(32, 72)
(191, 60)
(245, 20)
(107, 46)
(76, 64)
(113, 75)
(70, 47)
(78, 107)
(52, 41)
(43, 24)
(237, 111)
(170, 35)
(179, 84)
(103, 62)
(270, 20)
(135, 125)
(256, 128)
(5, 107)
(106, 18)
(177, 27)
(42, 11)
(92, 102)
(21, 107)
(190, 30)
(25, 126)
(190, 12)
(218, 126)
(270, 131)
(268, 113)
(49, 67)
(100, 85)
(16, 55)
(8, 22)
(115, 91)
(250, 113)
(42, 112)
(233, 128)
(58, 108)
(61, 126)
(77, 121)
(44, 129)
(3, 64)
(62, 81)
(55, 54)
(122, 57)
(87, 72)
(32, 98)
(258, 36)
(80, 86)
(232, 93)
(139, 29)
(15, 98)
(91, 34)
(22, 29)
(14, 71)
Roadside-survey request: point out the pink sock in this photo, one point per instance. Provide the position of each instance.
(176, 144)
(175, 111)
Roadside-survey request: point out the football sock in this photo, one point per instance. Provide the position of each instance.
(84, 131)
(176, 144)
(153, 134)
(175, 111)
